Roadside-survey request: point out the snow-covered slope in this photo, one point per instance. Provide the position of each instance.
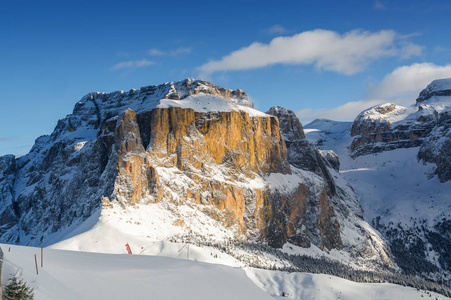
(81, 275)
(325, 287)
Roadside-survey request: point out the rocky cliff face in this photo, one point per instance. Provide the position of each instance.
(436, 147)
(390, 126)
(315, 215)
(324, 204)
(209, 154)
(185, 144)
(7, 176)
(290, 126)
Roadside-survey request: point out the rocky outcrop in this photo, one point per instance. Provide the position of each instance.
(317, 209)
(322, 207)
(389, 126)
(290, 126)
(301, 153)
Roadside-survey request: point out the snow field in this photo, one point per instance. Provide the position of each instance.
(82, 275)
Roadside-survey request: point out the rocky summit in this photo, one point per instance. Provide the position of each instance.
(186, 145)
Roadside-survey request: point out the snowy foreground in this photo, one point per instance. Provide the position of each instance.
(82, 275)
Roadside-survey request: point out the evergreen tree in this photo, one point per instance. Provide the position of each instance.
(18, 290)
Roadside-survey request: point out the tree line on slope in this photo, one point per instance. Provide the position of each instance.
(256, 255)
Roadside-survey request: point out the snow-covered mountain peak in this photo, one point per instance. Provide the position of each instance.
(440, 84)
(95, 108)
(435, 98)
(388, 112)
(439, 87)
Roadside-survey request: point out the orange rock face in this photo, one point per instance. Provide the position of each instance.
(197, 148)
(328, 227)
(182, 137)
(217, 160)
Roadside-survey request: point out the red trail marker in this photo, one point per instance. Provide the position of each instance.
(129, 250)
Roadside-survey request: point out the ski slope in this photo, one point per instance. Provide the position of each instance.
(82, 275)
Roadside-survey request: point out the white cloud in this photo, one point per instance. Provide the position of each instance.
(276, 29)
(347, 53)
(408, 81)
(401, 86)
(131, 65)
(175, 52)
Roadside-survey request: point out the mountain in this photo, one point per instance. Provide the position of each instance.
(192, 163)
(186, 159)
(398, 161)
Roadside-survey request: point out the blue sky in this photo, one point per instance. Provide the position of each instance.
(327, 59)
